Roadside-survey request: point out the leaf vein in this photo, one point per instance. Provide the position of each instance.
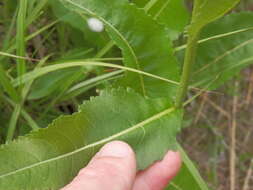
(92, 145)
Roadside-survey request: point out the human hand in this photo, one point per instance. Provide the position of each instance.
(114, 168)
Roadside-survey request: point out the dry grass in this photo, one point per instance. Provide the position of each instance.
(220, 138)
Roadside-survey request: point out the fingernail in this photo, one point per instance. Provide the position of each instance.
(115, 149)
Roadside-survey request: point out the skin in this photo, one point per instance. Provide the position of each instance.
(114, 168)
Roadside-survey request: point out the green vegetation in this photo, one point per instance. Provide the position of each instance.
(67, 88)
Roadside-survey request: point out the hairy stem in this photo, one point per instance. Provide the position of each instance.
(190, 55)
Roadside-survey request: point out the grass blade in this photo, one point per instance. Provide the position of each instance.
(20, 39)
(42, 71)
(13, 122)
(25, 115)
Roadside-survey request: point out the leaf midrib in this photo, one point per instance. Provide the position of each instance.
(102, 141)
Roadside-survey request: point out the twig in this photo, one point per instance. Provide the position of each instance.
(218, 108)
(200, 108)
(18, 57)
(232, 165)
(247, 137)
(250, 90)
(248, 176)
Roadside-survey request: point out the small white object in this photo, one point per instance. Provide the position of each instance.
(95, 25)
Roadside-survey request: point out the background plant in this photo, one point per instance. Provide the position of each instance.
(49, 67)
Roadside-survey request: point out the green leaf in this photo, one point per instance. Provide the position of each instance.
(144, 43)
(52, 83)
(75, 20)
(171, 13)
(50, 158)
(206, 11)
(226, 56)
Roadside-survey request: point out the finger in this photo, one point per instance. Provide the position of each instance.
(157, 176)
(112, 168)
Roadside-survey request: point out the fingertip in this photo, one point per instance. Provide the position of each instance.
(157, 176)
(173, 159)
(118, 149)
(172, 154)
(113, 167)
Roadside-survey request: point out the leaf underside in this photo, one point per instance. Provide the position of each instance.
(51, 157)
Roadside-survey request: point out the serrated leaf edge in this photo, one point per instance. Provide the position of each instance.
(100, 142)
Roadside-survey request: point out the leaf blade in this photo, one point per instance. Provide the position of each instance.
(226, 56)
(206, 11)
(68, 143)
(170, 13)
(137, 36)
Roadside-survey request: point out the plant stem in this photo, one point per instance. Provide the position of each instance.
(25, 115)
(20, 39)
(21, 64)
(190, 55)
(13, 122)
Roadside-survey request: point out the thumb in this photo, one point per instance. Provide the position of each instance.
(112, 168)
